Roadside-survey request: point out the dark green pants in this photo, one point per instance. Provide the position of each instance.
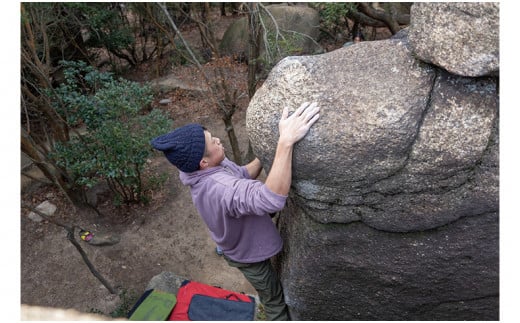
(265, 280)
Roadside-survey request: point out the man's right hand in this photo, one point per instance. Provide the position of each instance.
(294, 127)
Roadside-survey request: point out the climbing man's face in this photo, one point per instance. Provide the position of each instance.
(214, 153)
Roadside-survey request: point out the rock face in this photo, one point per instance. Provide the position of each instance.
(355, 272)
(393, 214)
(462, 38)
(167, 282)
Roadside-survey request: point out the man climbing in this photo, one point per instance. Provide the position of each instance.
(358, 37)
(234, 205)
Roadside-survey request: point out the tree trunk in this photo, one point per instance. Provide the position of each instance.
(203, 24)
(44, 125)
(389, 21)
(233, 139)
(254, 28)
(51, 171)
(235, 8)
(368, 16)
(253, 48)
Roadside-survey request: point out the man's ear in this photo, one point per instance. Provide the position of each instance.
(203, 164)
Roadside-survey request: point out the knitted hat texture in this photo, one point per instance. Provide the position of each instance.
(184, 147)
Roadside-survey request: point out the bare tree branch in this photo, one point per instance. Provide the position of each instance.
(177, 32)
(390, 22)
(218, 87)
(265, 29)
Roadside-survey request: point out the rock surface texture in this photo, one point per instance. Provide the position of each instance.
(462, 38)
(393, 212)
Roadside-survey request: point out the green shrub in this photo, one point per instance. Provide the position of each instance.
(106, 25)
(180, 55)
(117, 141)
(334, 15)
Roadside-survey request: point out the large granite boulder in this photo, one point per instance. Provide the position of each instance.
(393, 213)
(355, 272)
(462, 38)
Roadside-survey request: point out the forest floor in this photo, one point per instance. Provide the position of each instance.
(165, 235)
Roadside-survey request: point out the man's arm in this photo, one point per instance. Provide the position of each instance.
(292, 129)
(254, 168)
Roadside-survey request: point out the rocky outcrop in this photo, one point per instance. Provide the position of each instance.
(462, 38)
(167, 282)
(393, 214)
(46, 207)
(298, 25)
(355, 272)
(389, 124)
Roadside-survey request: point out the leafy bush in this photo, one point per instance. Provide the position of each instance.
(180, 55)
(116, 143)
(105, 24)
(334, 15)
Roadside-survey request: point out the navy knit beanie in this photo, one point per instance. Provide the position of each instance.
(184, 147)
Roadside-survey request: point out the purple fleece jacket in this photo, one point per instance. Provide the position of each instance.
(236, 210)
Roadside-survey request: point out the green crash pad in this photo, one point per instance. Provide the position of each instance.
(154, 305)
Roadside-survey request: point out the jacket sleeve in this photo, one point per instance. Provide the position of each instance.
(252, 197)
(240, 171)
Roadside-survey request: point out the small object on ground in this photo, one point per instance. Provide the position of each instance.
(100, 238)
(86, 235)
